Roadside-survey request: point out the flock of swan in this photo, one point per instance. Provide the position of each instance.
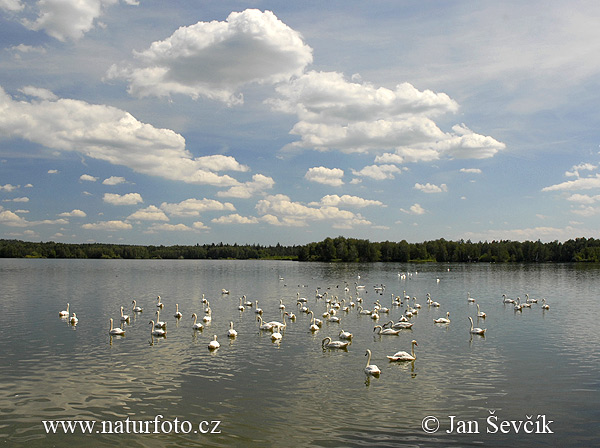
(332, 305)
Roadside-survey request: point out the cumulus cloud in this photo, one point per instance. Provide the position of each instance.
(108, 225)
(431, 188)
(76, 213)
(113, 180)
(11, 5)
(415, 209)
(125, 199)
(470, 170)
(88, 178)
(281, 211)
(348, 116)
(326, 176)
(378, 172)
(193, 207)
(584, 198)
(11, 219)
(21, 199)
(333, 200)
(151, 213)
(581, 167)
(170, 228)
(37, 92)
(235, 219)
(112, 135)
(68, 19)
(214, 59)
(582, 183)
(258, 184)
(8, 187)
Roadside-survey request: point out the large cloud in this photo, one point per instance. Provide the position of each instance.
(337, 114)
(113, 135)
(214, 59)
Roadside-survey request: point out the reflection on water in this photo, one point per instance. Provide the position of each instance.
(294, 393)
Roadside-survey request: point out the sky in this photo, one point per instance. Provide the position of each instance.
(264, 122)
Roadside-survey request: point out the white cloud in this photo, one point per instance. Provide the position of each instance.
(586, 211)
(21, 199)
(108, 225)
(37, 92)
(214, 59)
(49, 171)
(193, 207)
(170, 228)
(378, 172)
(112, 135)
(431, 188)
(199, 225)
(326, 176)
(235, 219)
(333, 200)
(113, 180)
(76, 213)
(88, 178)
(11, 219)
(258, 184)
(151, 213)
(582, 183)
(125, 199)
(11, 5)
(545, 234)
(8, 187)
(69, 19)
(581, 167)
(470, 170)
(280, 210)
(415, 209)
(584, 198)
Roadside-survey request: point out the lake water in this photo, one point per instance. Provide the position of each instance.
(533, 366)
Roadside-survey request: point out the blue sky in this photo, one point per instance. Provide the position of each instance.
(187, 122)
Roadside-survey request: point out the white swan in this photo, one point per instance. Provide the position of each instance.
(469, 298)
(328, 343)
(158, 302)
(64, 313)
(480, 313)
(400, 325)
(281, 305)
(517, 305)
(313, 325)
(362, 311)
(247, 302)
(334, 319)
(231, 332)
(291, 316)
(156, 331)
(115, 331)
(443, 320)
(276, 336)
(224, 291)
(124, 317)
(208, 316)
(135, 308)
(545, 306)
(476, 330)
(506, 299)
(159, 323)
(528, 300)
(196, 325)
(345, 335)
(263, 326)
(177, 314)
(214, 344)
(404, 356)
(386, 331)
(241, 307)
(257, 310)
(73, 320)
(371, 369)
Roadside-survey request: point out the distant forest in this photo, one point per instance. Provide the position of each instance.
(330, 249)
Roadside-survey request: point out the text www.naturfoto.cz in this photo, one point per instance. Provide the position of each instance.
(128, 426)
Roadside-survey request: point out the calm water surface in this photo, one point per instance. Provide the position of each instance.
(535, 363)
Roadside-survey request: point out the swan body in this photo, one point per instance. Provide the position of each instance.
(115, 331)
(528, 300)
(208, 316)
(159, 304)
(281, 305)
(480, 313)
(345, 335)
(224, 291)
(476, 330)
(241, 307)
(469, 298)
(371, 369)
(545, 306)
(64, 313)
(405, 356)
(328, 343)
(264, 326)
(506, 299)
(214, 344)
(400, 325)
(276, 336)
(135, 308)
(156, 331)
(177, 314)
(291, 316)
(362, 311)
(517, 305)
(386, 331)
(196, 325)
(334, 319)
(73, 320)
(443, 320)
(247, 302)
(257, 310)
(124, 317)
(231, 332)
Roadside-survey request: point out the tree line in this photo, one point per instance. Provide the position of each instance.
(330, 249)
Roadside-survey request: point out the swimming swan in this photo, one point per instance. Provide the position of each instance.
(386, 331)
(328, 343)
(480, 313)
(196, 326)
(476, 330)
(177, 314)
(443, 320)
(74, 319)
(231, 332)
(115, 331)
(214, 344)
(124, 317)
(156, 331)
(64, 313)
(159, 323)
(371, 369)
(158, 302)
(345, 335)
(404, 356)
(136, 309)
